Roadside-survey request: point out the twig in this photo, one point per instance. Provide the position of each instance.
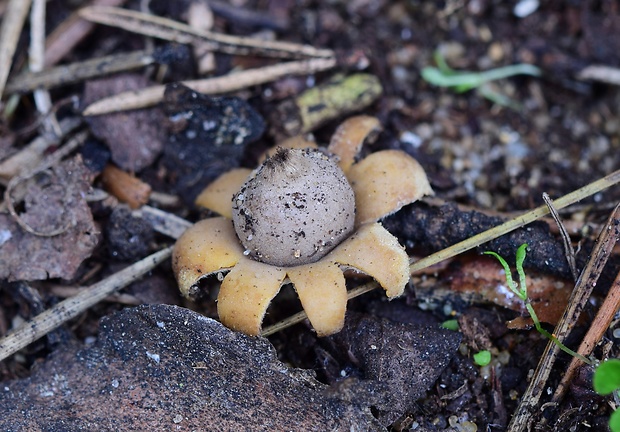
(568, 248)
(54, 317)
(69, 291)
(30, 156)
(42, 98)
(163, 199)
(608, 237)
(223, 84)
(248, 17)
(200, 17)
(70, 33)
(472, 242)
(599, 326)
(601, 73)
(163, 28)
(79, 71)
(12, 24)
(164, 222)
(124, 186)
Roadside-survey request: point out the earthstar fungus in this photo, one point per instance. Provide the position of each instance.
(296, 219)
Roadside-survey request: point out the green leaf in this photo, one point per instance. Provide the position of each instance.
(450, 325)
(607, 377)
(519, 264)
(509, 281)
(614, 421)
(482, 358)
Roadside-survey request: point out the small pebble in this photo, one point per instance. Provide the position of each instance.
(525, 8)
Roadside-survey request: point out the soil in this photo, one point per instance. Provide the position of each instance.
(486, 163)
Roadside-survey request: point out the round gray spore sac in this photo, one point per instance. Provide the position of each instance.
(295, 209)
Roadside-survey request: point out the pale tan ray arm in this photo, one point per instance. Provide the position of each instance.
(376, 252)
(348, 139)
(322, 290)
(246, 293)
(207, 247)
(384, 182)
(217, 196)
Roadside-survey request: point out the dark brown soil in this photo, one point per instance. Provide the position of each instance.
(486, 163)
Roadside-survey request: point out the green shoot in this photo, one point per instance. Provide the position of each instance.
(444, 76)
(482, 358)
(450, 324)
(521, 292)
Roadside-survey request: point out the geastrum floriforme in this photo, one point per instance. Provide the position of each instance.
(304, 216)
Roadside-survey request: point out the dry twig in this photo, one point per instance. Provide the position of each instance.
(599, 326)
(248, 17)
(163, 28)
(200, 17)
(568, 248)
(608, 237)
(223, 84)
(164, 222)
(125, 187)
(42, 98)
(53, 318)
(70, 33)
(30, 156)
(79, 71)
(601, 73)
(12, 24)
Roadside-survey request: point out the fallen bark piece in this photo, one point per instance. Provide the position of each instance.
(435, 228)
(135, 138)
(54, 202)
(404, 360)
(208, 136)
(167, 368)
(129, 238)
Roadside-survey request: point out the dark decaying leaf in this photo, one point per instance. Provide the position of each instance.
(482, 279)
(402, 360)
(55, 200)
(168, 368)
(208, 137)
(436, 228)
(129, 237)
(136, 137)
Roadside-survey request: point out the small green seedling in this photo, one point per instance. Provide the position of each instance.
(606, 380)
(521, 292)
(482, 358)
(450, 324)
(444, 76)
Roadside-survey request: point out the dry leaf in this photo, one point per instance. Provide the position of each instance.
(54, 201)
(135, 137)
